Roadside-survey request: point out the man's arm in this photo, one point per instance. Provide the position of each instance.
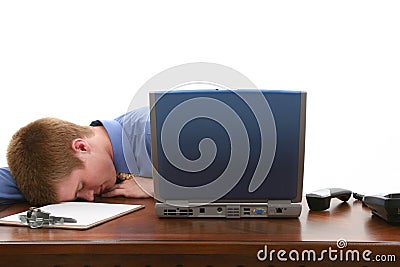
(9, 192)
(138, 187)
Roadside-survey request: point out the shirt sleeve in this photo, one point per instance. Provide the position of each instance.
(136, 126)
(9, 192)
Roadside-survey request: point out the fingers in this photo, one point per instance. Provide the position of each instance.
(146, 185)
(114, 192)
(128, 188)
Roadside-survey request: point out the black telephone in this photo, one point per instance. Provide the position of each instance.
(386, 207)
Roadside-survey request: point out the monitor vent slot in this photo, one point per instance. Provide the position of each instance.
(178, 212)
(233, 212)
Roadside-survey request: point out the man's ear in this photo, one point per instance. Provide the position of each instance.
(80, 146)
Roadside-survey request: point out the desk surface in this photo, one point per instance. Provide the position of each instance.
(142, 232)
(350, 221)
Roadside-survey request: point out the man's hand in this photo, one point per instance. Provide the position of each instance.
(138, 187)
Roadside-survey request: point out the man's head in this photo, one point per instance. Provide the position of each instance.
(49, 155)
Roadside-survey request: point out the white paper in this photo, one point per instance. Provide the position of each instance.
(86, 214)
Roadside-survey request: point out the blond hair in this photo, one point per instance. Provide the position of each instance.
(40, 154)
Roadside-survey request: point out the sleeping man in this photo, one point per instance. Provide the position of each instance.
(52, 160)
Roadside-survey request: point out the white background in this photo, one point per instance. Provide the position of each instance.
(84, 60)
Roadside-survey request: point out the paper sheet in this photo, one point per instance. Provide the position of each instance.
(87, 214)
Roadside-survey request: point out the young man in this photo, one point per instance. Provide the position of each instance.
(54, 160)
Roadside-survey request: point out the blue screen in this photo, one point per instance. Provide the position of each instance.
(280, 182)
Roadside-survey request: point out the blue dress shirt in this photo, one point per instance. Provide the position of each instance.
(9, 192)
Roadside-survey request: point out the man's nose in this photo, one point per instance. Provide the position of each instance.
(87, 195)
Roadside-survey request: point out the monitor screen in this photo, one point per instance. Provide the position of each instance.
(228, 145)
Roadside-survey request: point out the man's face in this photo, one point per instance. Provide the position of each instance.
(96, 178)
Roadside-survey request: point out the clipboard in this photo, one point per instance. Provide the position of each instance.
(86, 214)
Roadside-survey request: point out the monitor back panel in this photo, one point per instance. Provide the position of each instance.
(195, 143)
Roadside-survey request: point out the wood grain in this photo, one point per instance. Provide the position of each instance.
(128, 238)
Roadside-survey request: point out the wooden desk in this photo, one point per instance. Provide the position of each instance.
(142, 239)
